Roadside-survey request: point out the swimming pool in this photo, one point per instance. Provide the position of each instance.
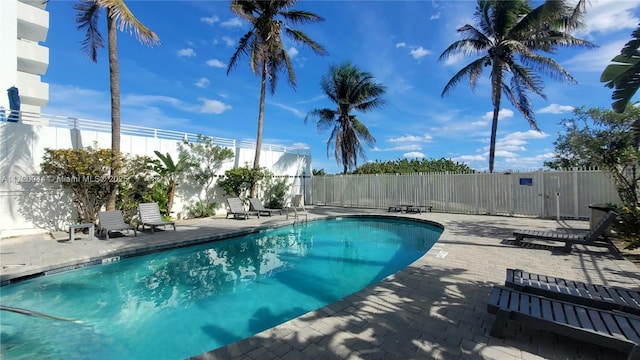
(187, 301)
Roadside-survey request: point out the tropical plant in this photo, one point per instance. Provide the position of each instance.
(85, 172)
(624, 74)
(509, 36)
(263, 44)
(136, 185)
(405, 166)
(602, 138)
(239, 181)
(169, 171)
(204, 159)
(119, 17)
(350, 89)
(275, 191)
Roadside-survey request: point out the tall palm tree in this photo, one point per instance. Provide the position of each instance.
(350, 89)
(119, 17)
(270, 19)
(509, 37)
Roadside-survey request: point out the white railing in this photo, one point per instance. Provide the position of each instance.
(544, 194)
(66, 122)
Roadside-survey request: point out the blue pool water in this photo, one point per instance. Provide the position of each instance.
(183, 302)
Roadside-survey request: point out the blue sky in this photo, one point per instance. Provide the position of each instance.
(182, 84)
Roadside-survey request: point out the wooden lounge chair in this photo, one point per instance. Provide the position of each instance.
(237, 209)
(150, 216)
(593, 238)
(256, 204)
(619, 331)
(111, 221)
(598, 296)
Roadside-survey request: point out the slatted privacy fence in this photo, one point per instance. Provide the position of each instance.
(545, 194)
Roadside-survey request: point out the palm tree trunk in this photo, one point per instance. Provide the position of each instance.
(114, 80)
(256, 159)
(496, 88)
(263, 90)
(170, 196)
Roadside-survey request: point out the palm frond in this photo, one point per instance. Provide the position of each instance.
(127, 22)
(241, 50)
(301, 17)
(87, 17)
(465, 47)
(472, 70)
(302, 38)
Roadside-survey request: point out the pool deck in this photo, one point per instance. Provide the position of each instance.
(434, 309)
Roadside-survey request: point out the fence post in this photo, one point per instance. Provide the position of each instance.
(576, 202)
(446, 190)
(511, 195)
(477, 192)
(541, 194)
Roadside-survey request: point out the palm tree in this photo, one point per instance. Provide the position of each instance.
(509, 37)
(119, 17)
(350, 89)
(169, 171)
(264, 46)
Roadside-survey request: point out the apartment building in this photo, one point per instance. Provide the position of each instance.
(24, 25)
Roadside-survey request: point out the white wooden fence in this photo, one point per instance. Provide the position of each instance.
(544, 194)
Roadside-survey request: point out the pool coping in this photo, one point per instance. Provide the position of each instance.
(434, 308)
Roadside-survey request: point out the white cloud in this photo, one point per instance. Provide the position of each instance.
(228, 41)
(412, 138)
(605, 16)
(301, 146)
(436, 16)
(408, 147)
(502, 114)
(216, 63)
(419, 52)
(203, 82)
(469, 158)
(292, 110)
(210, 20)
(232, 23)
(556, 109)
(488, 117)
(292, 52)
(596, 60)
(145, 100)
(210, 106)
(401, 45)
(188, 52)
(413, 155)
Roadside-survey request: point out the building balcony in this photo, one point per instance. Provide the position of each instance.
(32, 58)
(40, 4)
(33, 22)
(32, 90)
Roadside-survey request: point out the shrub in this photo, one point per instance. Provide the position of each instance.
(201, 209)
(275, 191)
(627, 226)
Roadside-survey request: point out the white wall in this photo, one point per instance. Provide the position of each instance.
(8, 46)
(27, 206)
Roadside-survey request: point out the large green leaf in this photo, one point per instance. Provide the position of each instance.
(623, 76)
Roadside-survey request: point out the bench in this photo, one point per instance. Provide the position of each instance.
(612, 329)
(74, 227)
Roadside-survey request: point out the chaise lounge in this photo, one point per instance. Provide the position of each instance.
(111, 221)
(150, 216)
(256, 204)
(593, 238)
(615, 330)
(598, 296)
(237, 209)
